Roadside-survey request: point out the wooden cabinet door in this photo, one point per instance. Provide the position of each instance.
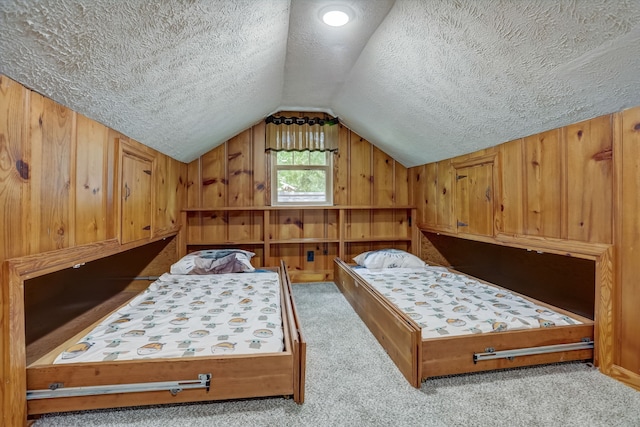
(474, 199)
(135, 194)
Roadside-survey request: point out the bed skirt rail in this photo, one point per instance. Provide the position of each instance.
(490, 353)
(174, 387)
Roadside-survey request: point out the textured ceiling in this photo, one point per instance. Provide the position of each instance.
(422, 80)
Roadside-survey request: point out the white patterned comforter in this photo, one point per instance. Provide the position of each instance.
(448, 304)
(185, 316)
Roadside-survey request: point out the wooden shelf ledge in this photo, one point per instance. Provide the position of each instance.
(47, 262)
(539, 244)
(293, 208)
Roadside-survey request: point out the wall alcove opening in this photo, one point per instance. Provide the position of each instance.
(563, 281)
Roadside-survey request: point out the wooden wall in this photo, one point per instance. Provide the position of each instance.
(569, 191)
(537, 186)
(626, 295)
(60, 178)
(236, 175)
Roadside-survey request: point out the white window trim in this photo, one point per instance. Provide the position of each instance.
(329, 180)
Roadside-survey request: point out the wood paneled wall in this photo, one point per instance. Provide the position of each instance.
(539, 185)
(59, 188)
(627, 235)
(58, 177)
(236, 174)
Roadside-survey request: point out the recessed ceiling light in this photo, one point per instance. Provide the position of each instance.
(336, 16)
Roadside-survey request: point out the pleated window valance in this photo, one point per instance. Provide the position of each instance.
(301, 133)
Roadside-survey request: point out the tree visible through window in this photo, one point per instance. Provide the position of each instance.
(301, 177)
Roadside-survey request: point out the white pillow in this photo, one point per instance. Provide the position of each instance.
(214, 261)
(388, 258)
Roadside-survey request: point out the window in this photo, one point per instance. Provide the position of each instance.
(301, 178)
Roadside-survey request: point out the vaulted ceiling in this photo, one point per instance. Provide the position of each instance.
(421, 79)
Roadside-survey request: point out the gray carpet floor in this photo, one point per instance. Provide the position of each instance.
(352, 382)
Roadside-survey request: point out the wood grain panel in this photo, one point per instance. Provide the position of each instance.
(162, 190)
(289, 225)
(430, 194)
(628, 293)
(241, 185)
(15, 167)
(176, 184)
(383, 178)
(113, 182)
(401, 184)
(290, 253)
(383, 193)
(414, 175)
(445, 217)
(360, 178)
(194, 183)
(315, 224)
(358, 224)
(91, 181)
(51, 139)
(360, 174)
(462, 199)
(14, 352)
(341, 168)
(543, 167)
(332, 224)
(590, 180)
(384, 223)
(14, 185)
(260, 187)
(323, 256)
(213, 178)
(511, 209)
(604, 304)
(244, 225)
(403, 219)
(240, 170)
(401, 223)
(213, 227)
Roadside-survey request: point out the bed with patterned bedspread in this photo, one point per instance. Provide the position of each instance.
(203, 336)
(435, 321)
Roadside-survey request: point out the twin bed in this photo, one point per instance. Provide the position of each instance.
(434, 321)
(185, 338)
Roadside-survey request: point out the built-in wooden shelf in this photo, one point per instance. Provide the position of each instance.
(226, 243)
(379, 239)
(294, 207)
(293, 232)
(532, 243)
(303, 240)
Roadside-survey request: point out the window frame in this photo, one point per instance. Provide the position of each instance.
(275, 168)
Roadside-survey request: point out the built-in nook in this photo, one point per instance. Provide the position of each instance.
(62, 303)
(561, 280)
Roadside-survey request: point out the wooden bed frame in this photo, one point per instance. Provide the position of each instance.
(418, 359)
(133, 383)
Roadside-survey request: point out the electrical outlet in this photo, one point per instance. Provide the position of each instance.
(310, 256)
